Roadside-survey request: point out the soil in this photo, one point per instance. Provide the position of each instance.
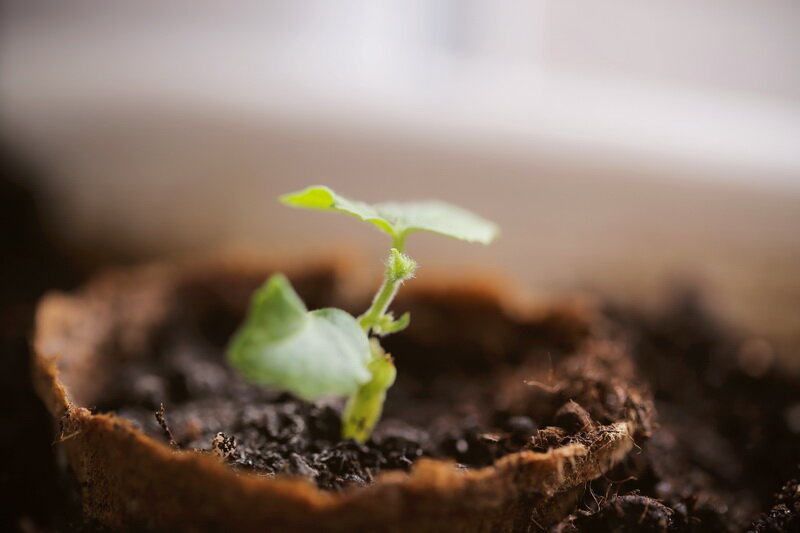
(729, 436)
(727, 439)
(187, 396)
(785, 512)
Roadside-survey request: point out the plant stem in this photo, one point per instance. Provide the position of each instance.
(399, 242)
(399, 268)
(380, 303)
(364, 408)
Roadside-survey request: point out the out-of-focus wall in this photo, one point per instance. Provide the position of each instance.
(620, 147)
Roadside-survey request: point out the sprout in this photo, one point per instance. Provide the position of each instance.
(327, 352)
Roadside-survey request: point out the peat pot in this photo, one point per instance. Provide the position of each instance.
(501, 413)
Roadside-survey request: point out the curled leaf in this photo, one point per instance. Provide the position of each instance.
(400, 267)
(387, 324)
(309, 353)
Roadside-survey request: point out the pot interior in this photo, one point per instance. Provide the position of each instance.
(461, 346)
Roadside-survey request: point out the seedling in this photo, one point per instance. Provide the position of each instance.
(328, 352)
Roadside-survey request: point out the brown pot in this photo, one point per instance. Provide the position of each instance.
(129, 480)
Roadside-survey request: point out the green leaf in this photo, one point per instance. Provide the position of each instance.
(311, 354)
(387, 324)
(399, 219)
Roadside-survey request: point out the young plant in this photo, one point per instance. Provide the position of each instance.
(327, 352)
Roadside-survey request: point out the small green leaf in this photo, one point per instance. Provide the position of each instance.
(322, 198)
(311, 354)
(387, 324)
(398, 219)
(400, 267)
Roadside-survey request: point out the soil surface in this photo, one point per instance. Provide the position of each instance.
(726, 442)
(445, 403)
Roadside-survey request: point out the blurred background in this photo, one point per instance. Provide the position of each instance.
(620, 146)
(625, 147)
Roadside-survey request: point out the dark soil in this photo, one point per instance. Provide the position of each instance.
(785, 512)
(186, 395)
(728, 436)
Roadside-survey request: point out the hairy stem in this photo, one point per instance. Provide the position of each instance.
(399, 268)
(363, 409)
(380, 303)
